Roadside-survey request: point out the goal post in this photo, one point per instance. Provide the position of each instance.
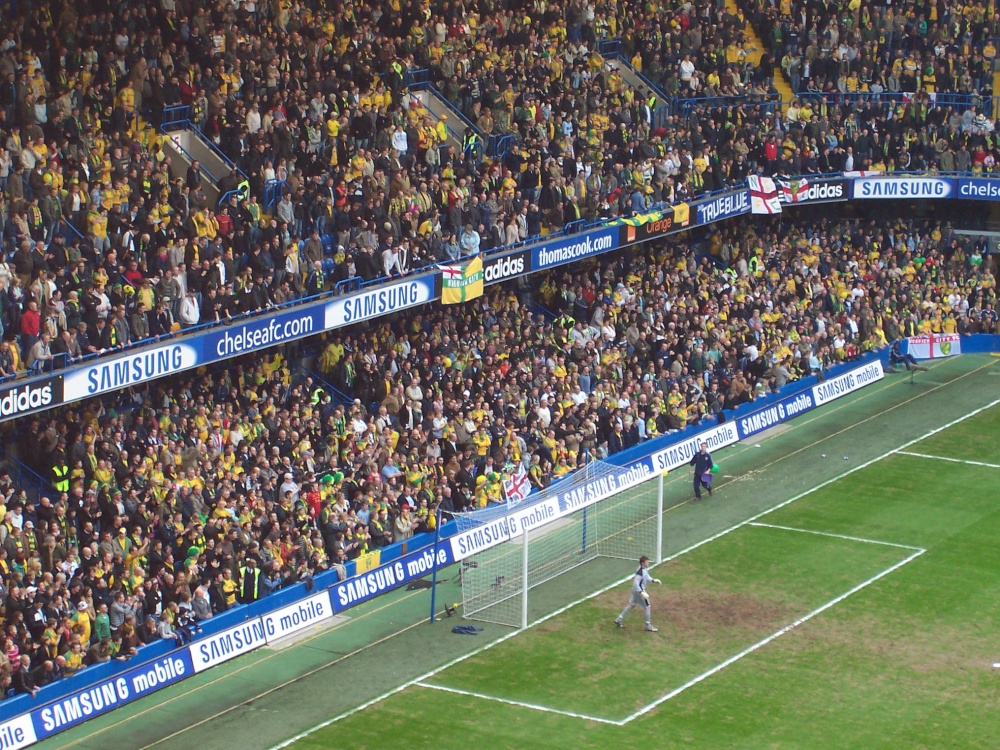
(604, 513)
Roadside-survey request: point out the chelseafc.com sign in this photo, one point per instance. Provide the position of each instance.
(30, 397)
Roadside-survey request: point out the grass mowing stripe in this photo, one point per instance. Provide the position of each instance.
(764, 641)
(426, 676)
(836, 536)
(519, 704)
(950, 460)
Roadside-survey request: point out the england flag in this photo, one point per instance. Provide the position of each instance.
(517, 487)
(763, 195)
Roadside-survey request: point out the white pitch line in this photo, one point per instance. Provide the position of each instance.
(836, 536)
(760, 644)
(949, 460)
(519, 704)
(501, 639)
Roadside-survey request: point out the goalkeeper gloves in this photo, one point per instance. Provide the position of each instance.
(657, 580)
(645, 598)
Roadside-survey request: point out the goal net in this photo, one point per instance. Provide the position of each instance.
(599, 512)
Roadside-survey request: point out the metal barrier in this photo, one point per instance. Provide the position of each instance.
(767, 104)
(34, 485)
(347, 286)
(500, 145)
(274, 191)
(609, 47)
(336, 394)
(224, 198)
(416, 78)
(175, 114)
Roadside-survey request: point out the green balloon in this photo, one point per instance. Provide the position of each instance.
(715, 469)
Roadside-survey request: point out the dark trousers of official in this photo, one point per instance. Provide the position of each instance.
(699, 483)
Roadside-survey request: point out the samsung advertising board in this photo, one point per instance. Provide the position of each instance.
(295, 617)
(774, 414)
(379, 301)
(586, 494)
(226, 645)
(724, 207)
(128, 370)
(503, 268)
(903, 188)
(570, 249)
(17, 733)
(680, 453)
(848, 382)
(361, 588)
(102, 697)
(978, 189)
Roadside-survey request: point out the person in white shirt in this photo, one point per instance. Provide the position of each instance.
(190, 311)
(393, 261)
(640, 597)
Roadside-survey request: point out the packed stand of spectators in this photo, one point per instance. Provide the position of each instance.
(315, 99)
(912, 54)
(877, 47)
(189, 497)
(511, 72)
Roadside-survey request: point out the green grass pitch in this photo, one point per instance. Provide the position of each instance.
(865, 614)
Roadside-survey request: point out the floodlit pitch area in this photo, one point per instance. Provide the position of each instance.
(861, 614)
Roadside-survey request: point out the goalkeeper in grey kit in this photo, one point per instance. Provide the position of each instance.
(640, 597)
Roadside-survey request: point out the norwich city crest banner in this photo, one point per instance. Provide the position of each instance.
(461, 283)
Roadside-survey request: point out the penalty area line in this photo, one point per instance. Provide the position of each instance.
(949, 460)
(763, 642)
(519, 704)
(835, 536)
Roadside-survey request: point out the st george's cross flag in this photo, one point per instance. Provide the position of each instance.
(461, 283)
(763, 195)
(517, 487)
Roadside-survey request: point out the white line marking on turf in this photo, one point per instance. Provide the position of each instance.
(950, 460)
(519, 704)
(835, 536)
(501, 639)
(760, 644)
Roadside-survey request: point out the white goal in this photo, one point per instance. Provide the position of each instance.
(599, 512)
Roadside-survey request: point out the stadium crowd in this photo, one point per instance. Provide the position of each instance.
(192, 496)
(315, 99)
(187, 498)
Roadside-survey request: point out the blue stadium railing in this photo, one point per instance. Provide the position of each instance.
(178, 117)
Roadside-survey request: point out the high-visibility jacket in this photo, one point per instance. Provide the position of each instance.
(60, 478)
(249, 584)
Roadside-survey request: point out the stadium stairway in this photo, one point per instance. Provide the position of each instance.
(429, 101)
(633, 77)
(756, 50)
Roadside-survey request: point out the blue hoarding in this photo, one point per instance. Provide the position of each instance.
(387, 577)
(978, 189)
(577, 247)
(724, 207)
(106, 696)
(774, 414)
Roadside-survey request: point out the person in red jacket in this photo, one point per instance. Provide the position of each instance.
(31, 324)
